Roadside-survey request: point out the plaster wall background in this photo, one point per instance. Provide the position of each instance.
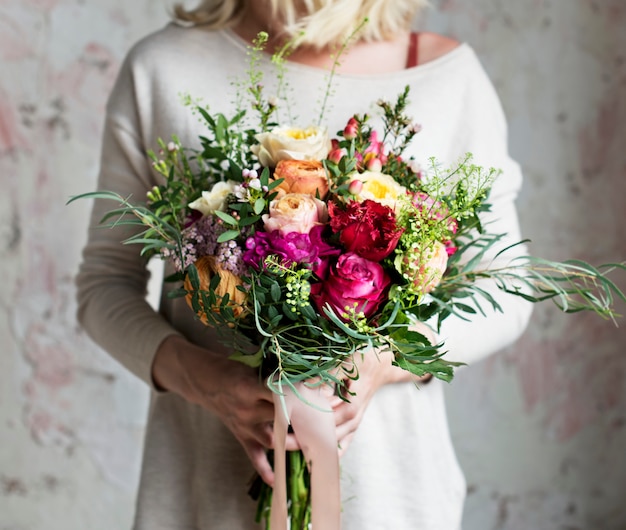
(540, 428)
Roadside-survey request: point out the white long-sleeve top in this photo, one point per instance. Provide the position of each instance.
(400, 471)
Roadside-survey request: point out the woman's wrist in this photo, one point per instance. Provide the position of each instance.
(167, 372)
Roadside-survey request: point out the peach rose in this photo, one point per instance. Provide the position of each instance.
(427, 268)
(302, 176)
(207, 268)
(295, 212)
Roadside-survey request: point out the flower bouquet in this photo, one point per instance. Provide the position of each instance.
(304, 252)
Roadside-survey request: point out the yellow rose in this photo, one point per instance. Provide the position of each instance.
(215, 199)
(207, 268)
(290, 143)
(377, 187)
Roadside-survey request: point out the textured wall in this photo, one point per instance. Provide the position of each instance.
(540, 429)
(70, 420)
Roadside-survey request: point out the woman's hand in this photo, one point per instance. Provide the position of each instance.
(374, 372)
(229, 389)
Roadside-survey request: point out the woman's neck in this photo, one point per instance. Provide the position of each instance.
(360, 58)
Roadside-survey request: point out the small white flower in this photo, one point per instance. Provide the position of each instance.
(255, 184)
(415, 166)
(415, 127)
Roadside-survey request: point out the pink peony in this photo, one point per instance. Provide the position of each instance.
(294, 247)
(369, 228)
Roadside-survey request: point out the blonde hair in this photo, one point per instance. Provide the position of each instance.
(316, 23)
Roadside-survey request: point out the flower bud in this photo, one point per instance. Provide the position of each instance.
(351, 129)
(336, 155)
(374, 164)
(355, 187)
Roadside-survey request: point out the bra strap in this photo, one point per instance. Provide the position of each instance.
(412, 58)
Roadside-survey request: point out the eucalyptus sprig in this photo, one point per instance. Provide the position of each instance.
(573, 285)
(156, 231)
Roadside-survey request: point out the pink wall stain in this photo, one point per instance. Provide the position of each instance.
(11, 137)
(39, 321)
(568, 381)
(78, 94)
(596, 140)
(88, 79)
(53, 366)
(43, 5)
(14, 41)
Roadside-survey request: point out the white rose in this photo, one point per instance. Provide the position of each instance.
(291, 143)
(378, 187)
(215, 199)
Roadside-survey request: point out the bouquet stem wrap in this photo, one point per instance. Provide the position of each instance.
(314, 426)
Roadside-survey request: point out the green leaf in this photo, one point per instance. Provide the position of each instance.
(465, 308)
(177, 293)
(208, 118)
(227, 218)
(259, 205)
(275, 292)
(228, 235)
(194, 279)
(275, 184)
(252, 360)
(308, 312)
(247, 221)
(289, 312)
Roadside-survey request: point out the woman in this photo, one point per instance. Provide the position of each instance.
(210, 418)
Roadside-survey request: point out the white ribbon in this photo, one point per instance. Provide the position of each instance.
(314, 427)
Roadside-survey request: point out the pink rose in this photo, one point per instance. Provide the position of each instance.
(353, 283)
(425, 268)
(295, 212)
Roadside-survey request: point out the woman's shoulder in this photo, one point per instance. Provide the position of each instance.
(173, 41)
(433, 46)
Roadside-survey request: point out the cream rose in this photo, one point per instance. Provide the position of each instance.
(215, 199)
(377, 187)
(295, 212)
(290, 143)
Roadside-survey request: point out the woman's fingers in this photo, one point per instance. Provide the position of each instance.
(258, 457)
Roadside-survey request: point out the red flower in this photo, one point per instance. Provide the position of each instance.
(353, 283)
(369, 228)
